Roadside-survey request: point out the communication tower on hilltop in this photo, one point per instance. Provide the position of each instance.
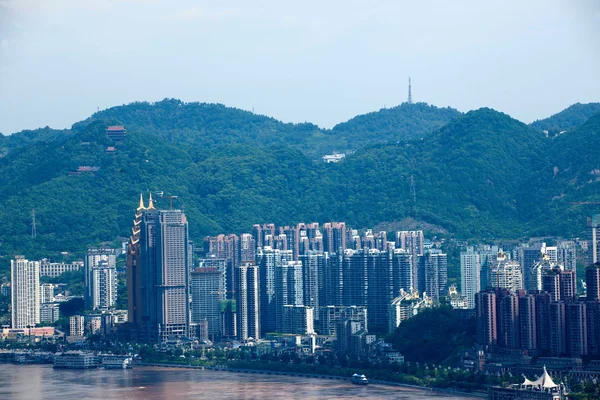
(409, 92)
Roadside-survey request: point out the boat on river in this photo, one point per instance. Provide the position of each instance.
(359, 379)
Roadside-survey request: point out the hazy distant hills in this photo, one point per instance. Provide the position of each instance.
(477, 175)
(405, 122)
(568, 118)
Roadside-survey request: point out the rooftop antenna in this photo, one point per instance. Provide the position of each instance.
(33, 230)
(413, 192)
(409, 92)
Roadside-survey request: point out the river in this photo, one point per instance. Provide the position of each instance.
(154, 383)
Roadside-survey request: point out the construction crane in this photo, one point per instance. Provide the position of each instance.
(170, 197)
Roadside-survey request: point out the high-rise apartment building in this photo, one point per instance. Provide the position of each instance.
(267, 260)
(100, 278)
(288, 289)
(567, 254)
(25, 296)
(310, 276)
(470, 267)
(508, 319)
(527, 257)
(247, 302)
(592, 278)
(207, 293)
(576, 326)
(334, 237)
(432, 273)
(594, 239)
(505, 273)
(104, 286)
(487, 329)
(527, 322)
(413, 243)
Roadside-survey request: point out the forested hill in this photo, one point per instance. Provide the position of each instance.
(405, 122)
(483, 175)
(197, 126)
(26, 137)
(569, 174)
(568, 118)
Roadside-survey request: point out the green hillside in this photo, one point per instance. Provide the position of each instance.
(26, 137)
(202, 126)
(568, 118)
(467, 176)
(482, 175)
(570, 173)
(403, 123)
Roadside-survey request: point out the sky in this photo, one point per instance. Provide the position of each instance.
(317, 61)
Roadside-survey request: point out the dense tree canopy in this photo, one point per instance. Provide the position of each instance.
(482, 174)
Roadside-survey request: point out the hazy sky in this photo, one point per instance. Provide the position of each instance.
(318, 61)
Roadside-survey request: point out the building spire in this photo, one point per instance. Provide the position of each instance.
(141, 207)
(151, 203)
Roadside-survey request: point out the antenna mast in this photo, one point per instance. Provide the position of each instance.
(33, 231)
(409, 92)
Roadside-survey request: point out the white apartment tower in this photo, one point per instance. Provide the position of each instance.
(25, 298)
(103, 286)
(100, 278)
(470, 269)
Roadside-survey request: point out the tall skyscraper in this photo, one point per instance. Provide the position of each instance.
(558, 329)
(594, 239)
(104, 286)
(207, 293)
(160, 277)
(247, 302)
(432, 274)
(576, 320)
(288, 289)
(470, 266)
(487, 330)
(413, 243)
(25, 297)
(592, 279)
(100, 278)
(508, 313)
(268, 259)
(527, 257)
(310, 274)
(527, 322)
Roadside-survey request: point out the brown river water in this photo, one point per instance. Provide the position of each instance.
(30, 382)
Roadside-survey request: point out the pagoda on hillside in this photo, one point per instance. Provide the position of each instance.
(116, 132)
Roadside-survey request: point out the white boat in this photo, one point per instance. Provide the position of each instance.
(109, 361)
(359, 379)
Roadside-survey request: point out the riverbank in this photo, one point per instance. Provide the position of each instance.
(479, 395)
